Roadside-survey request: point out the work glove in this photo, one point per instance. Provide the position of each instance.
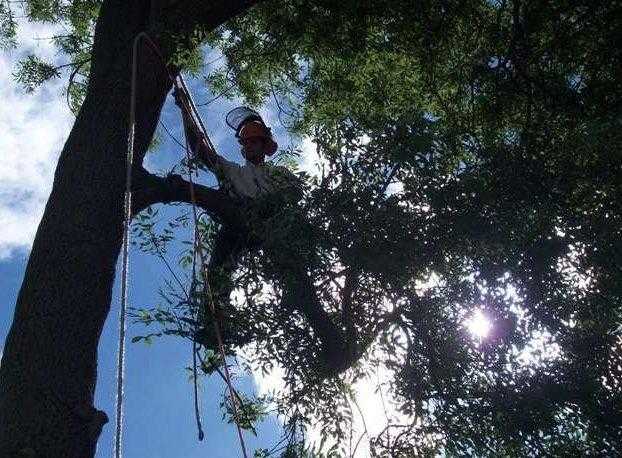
(178, 99)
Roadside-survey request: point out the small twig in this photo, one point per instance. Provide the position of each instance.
(74, 73)
(168, 266)
(389, 178)
(213, 99)
(204, 364)
(170, 134)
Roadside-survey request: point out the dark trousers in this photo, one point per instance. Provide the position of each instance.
(229, 246)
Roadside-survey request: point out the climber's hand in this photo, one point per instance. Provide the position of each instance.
(179, 100)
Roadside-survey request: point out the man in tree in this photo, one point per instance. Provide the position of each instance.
(256, 177)
(264, 196)
(259, 190)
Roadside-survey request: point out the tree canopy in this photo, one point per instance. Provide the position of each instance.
(470, 160)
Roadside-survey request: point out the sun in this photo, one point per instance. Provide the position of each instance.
(479, 325)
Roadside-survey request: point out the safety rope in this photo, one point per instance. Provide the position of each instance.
(197, 411)
(127, 218)
(191, 109)
(198, 248)
(195, 381)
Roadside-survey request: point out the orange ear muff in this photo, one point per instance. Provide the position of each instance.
(271, 146)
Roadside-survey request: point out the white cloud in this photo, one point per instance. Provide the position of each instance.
(34, 128)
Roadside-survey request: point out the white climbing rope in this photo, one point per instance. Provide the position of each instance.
(127, 219)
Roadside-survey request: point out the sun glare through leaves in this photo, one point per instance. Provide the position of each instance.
(479, 325)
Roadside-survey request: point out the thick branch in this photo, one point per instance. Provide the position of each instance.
(193, 19)
(152, 189)
(338, 352)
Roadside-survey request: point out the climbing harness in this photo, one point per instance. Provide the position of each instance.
(188, 105)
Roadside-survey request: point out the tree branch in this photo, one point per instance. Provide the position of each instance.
(152, 189)
(350, 285)
(337, 351)
(193, 19)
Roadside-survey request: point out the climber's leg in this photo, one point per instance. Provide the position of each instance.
(228, 248)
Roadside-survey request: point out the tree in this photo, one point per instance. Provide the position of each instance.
(498, 121)
(46, 395)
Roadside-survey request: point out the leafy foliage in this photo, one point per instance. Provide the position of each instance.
(8, 26)
(497, 124)
(470, 161)
(76, 19)
(32, 72)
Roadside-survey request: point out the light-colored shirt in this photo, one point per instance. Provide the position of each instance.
(251, 181)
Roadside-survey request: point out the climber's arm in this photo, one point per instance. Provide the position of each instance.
(198, 143)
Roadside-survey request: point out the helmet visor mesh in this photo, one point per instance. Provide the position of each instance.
(238, 116)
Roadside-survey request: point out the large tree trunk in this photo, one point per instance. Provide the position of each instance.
(48, 372)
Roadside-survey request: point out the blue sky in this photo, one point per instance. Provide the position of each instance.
(159, 418)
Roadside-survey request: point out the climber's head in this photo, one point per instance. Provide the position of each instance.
(254, 136)
(256, 141)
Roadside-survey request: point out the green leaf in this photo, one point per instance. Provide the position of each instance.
(32, 72)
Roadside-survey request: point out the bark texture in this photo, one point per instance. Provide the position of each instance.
(49, 366)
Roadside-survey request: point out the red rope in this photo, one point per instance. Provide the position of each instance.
(189, 106)
(198, 247)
